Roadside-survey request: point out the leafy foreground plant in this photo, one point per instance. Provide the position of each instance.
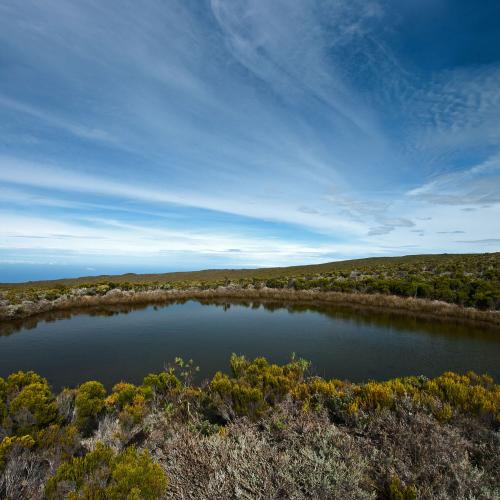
(263, 431)
(102, 474)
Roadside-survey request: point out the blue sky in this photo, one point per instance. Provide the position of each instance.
(162, 135)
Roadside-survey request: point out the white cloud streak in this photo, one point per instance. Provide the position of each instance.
(273, 111)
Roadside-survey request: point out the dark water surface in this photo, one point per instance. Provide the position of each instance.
(127, 342)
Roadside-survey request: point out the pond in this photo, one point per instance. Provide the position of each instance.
(127, 342)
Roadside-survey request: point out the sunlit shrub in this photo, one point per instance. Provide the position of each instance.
(102, 289)
(123, 393)
(102, 474)
(316, 392)
(236, 398)
(16, 381)
(52, 294)
(32, 408)
(470, 393)
(135, 475)
(130, 401)
(374, 396)
(162, 383)
(89, 403)
(255, 386)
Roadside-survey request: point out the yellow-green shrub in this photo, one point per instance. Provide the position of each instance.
(255, 386)
(102, 289)
(122, 393)
(129, 400)
(374, 396)
(10, 441)
(103, 475)
(470, 393)
(32, 408)
(63, 439)
(16, 381)
(237, 398)
(135, 475)
(397, 491)
(3, 400)
(316, 391)
(89, 403)
(443, 396)
(161, 384)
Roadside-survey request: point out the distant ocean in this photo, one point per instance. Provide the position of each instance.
(16, 273)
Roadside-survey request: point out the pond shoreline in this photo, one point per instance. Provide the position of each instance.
(421, 308)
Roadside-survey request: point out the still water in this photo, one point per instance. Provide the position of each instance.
(127, 342)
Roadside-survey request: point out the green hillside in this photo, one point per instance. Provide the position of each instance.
(475, 264)
(470, 280)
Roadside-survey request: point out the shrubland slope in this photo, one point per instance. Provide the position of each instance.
(467, 281)
(431, 263)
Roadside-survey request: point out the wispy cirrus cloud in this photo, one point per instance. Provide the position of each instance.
(476, 185)
(55, 178)
(304, 125)
(82, 131)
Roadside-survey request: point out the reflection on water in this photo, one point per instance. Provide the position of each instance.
(359, 314)
(127, 341)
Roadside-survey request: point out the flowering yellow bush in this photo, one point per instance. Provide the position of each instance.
(470, 393)
(374, 395)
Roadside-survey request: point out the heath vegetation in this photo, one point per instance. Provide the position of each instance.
(260, 431)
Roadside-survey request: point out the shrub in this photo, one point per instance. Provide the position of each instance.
(102, 474)
(470, 393)
(9, 442)
(374, 396)
(122, 393)
(34, 407)
(397, 491)
(3, 400)
(102, 289)
(162, 383)
(89, 403)
(17, 381)
(316, 392)
(135, 475)
(63, 441)
(130, 401)
(255, 386)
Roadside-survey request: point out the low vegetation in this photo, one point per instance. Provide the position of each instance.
(466, 286)
(261, 431)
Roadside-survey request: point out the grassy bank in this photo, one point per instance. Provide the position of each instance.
(264, 431)
(463, 287)
(407, 306)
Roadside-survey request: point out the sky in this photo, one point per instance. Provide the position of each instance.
(179, 135)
